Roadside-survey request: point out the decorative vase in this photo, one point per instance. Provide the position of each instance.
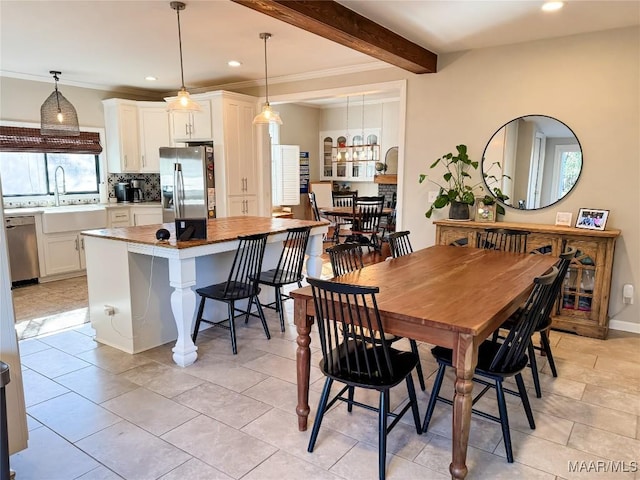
(459, 211)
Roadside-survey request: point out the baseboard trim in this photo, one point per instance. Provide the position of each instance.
(623, 326)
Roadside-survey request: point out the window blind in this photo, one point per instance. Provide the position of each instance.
(20, 139)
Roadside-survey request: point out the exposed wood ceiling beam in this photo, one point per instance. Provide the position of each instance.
(336, 22)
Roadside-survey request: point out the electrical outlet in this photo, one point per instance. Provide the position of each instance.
(433, 196)
(627, 294)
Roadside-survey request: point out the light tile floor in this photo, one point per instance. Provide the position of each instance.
(97, 413)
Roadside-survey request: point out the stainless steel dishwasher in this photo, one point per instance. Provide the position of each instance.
(23, 249)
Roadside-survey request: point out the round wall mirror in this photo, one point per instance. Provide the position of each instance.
(532, 162)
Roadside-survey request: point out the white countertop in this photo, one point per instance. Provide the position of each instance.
(17, 212)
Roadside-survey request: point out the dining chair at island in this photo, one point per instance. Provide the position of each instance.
(241, 284)
(544, 325)
(498, 361)
(347, 257)
(503, 239)
(288, 270)
(357, 360)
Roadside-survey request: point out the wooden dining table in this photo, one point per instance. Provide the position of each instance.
(454, 297)
(348, 211)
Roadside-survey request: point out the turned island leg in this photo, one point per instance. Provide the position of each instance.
(303, 360)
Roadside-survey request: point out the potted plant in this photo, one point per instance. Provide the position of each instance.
(456, 190)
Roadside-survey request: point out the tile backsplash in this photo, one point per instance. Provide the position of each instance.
(151, 189)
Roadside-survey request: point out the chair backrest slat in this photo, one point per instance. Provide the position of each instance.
(247, 264)
(346, 199)
(400, 244)
(515, 345)
(345, 258)
(350, 353)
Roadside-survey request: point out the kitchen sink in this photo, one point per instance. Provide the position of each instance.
(73, 217)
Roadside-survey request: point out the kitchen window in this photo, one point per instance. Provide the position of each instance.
(28, 162)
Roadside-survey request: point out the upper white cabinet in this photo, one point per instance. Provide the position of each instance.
(121, 127)
(190, 126)
(154, 133)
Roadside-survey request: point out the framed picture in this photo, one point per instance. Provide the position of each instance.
(564, 218)
(485, 213)
(592, 218)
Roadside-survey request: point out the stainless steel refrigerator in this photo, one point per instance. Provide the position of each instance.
(187, 182)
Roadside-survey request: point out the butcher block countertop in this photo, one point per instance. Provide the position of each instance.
(218, 230)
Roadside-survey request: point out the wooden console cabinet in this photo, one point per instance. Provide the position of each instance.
(582, 306)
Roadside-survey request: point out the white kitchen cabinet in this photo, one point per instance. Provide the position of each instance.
(119, 217)
(121, 128)
(243, 205)
(154, 133)
(190, 126)
(63, 253)
(146, 215)
(238, 184)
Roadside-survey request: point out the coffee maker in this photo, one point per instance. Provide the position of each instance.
(124, 193)
(136, 190)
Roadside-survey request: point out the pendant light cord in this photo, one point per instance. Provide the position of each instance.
(265, 37)
(180, 46)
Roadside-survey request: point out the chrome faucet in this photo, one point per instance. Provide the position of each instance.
(56, 192)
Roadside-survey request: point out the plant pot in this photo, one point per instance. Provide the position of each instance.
(459, 211)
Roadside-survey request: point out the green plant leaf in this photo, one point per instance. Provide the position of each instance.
(422, 178)
(440, 202)
(435, 163)
(447, 176)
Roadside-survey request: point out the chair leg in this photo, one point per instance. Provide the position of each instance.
(198, 319)
(434, 396)
(546, 346)
(279, 307)
(534, 368)
(525, 401)
(324, 398)
(232, 327)
(382, 433)
(504, 420)
(414, 404)
(350, 399)
(261, 315)
(414, 349)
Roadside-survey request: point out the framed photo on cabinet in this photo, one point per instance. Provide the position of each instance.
(485, 213)
(592, 218)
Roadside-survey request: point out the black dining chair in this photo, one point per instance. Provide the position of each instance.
(356, 359)
(400, 244)
(343, 223)
(347, 257)
(543, 327)
(240, 285)
(366, 224)
(504, 239)
(288, 270)
(497, 361)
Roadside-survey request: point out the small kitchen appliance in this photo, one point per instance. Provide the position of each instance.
(136, 190)
(124, 192)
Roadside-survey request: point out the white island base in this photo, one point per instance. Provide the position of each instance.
(142, 295)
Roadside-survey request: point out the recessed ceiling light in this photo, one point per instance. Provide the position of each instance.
(234, 63)
(150, 78)
(552, 6)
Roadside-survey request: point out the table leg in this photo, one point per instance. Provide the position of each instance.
(303, 360)
(465, 358)
(314, 250)
(182, 276)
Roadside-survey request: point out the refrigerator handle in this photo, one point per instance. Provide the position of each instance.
(178, 190)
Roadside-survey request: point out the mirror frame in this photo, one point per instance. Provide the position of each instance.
(484, 174)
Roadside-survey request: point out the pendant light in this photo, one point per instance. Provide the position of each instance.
(57, 116)
(184, 101)
(267, 115)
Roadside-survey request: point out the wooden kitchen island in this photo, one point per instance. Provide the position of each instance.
(141, 290)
